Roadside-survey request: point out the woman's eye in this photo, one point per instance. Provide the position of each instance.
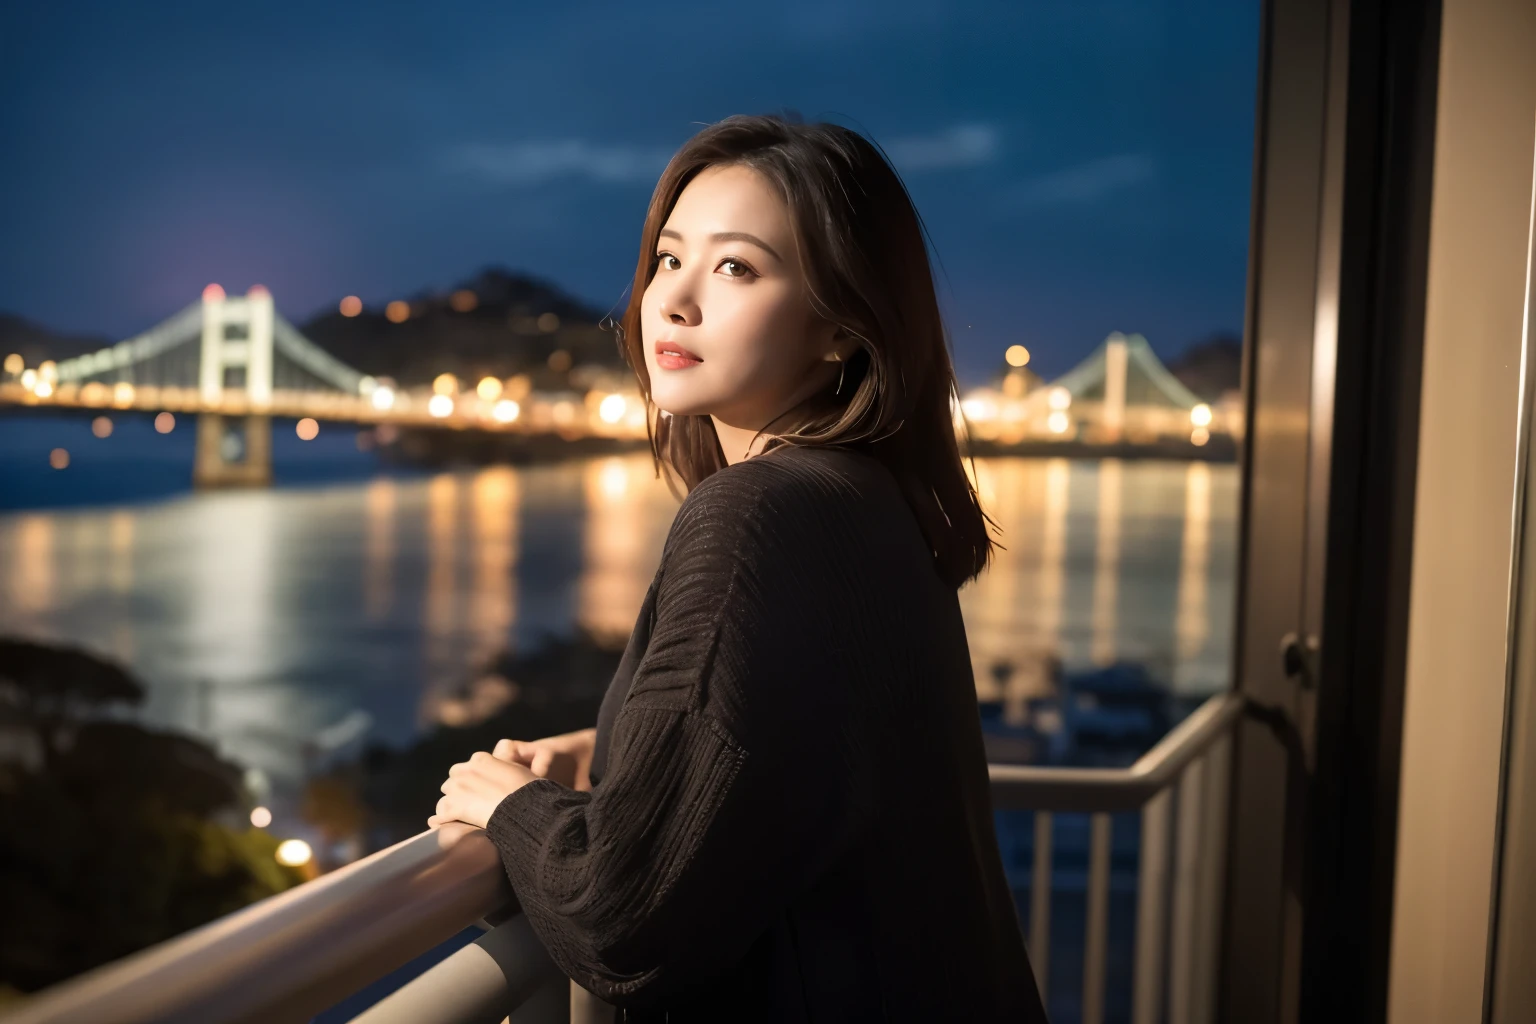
(739, 269)
(667, 260)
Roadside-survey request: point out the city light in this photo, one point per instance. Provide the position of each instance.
(94, 393)
(1059, 398)
(505, 411)
(293, 852)
(1199, 436)
(29, 379)
(14, 364)
(463, 300)
(397, 312)
(440, 406)
(58, 458)
(382, 397)
(445, 384)
(1057, 422)
(351, 306)
(1017, 355)
(564, 413)
(165, 423)
(549, 323)
(101, 426)
(489, 388)
(979, 410)
(559, 359)
(43, 390)
(307, 429)
(261, 817)
(122, 394)
(611, 409)
(48, 370)
(257, 289)
(213, 293)
(1200, 416)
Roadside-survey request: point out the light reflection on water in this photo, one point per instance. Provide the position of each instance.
(261, 617)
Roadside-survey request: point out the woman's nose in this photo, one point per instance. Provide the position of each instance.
(679, 307)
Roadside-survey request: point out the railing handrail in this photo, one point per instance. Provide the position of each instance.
(294, 955)
(1046, 788)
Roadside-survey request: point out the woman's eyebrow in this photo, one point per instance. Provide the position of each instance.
(730, 236)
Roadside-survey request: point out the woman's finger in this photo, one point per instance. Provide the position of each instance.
(506, 750)
(541, 762)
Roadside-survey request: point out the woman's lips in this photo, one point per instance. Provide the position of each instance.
(672, 356)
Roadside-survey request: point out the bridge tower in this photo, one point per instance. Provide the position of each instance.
(234, 444)
(1116, 362)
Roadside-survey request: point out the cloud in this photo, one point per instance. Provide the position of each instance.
(537, 161)
(534, 162)
(964, 145)
(1083, 184)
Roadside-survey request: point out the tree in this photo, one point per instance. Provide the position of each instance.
(119, 836)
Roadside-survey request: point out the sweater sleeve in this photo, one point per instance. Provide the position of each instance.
(728, 788)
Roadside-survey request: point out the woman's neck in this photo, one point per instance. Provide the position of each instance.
(739, 443)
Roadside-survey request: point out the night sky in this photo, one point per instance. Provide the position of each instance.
(1082, 166)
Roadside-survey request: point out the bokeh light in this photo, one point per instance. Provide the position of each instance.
(14, 364)
(489, 389)
(293, 852)
(307, 429)
(445, 384)
(1017, 355)
(165, 423)
(59, 458)
(505, 411)
(382, 398)
(397, 312)
(1200, 416)
(463, 300)
(559, 360)
(213, 293)
(1059, 399)
(351, 306)
(611, 409)
(440, 406)
(261, 817)
(101, 426)
(549, 323)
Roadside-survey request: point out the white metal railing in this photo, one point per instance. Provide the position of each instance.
(301, 952)
(1180, 787)
(296, 954)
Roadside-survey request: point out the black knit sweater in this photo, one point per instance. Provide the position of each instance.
(790, 818)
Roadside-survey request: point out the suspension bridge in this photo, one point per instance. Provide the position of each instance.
(237, 363)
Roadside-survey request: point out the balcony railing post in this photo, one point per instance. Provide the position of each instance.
(1208, 919)
(1040, 903)
(1151, 920)
(1098, 919)
(1186, 882)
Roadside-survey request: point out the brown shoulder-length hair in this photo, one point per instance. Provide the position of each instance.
(861, 244)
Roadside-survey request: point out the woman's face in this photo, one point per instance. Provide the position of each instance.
(726, 323)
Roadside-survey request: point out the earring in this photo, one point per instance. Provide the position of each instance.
(842, 366)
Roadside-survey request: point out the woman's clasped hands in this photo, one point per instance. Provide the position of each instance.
(476, 787)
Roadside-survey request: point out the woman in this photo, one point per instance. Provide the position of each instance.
(783, 813)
